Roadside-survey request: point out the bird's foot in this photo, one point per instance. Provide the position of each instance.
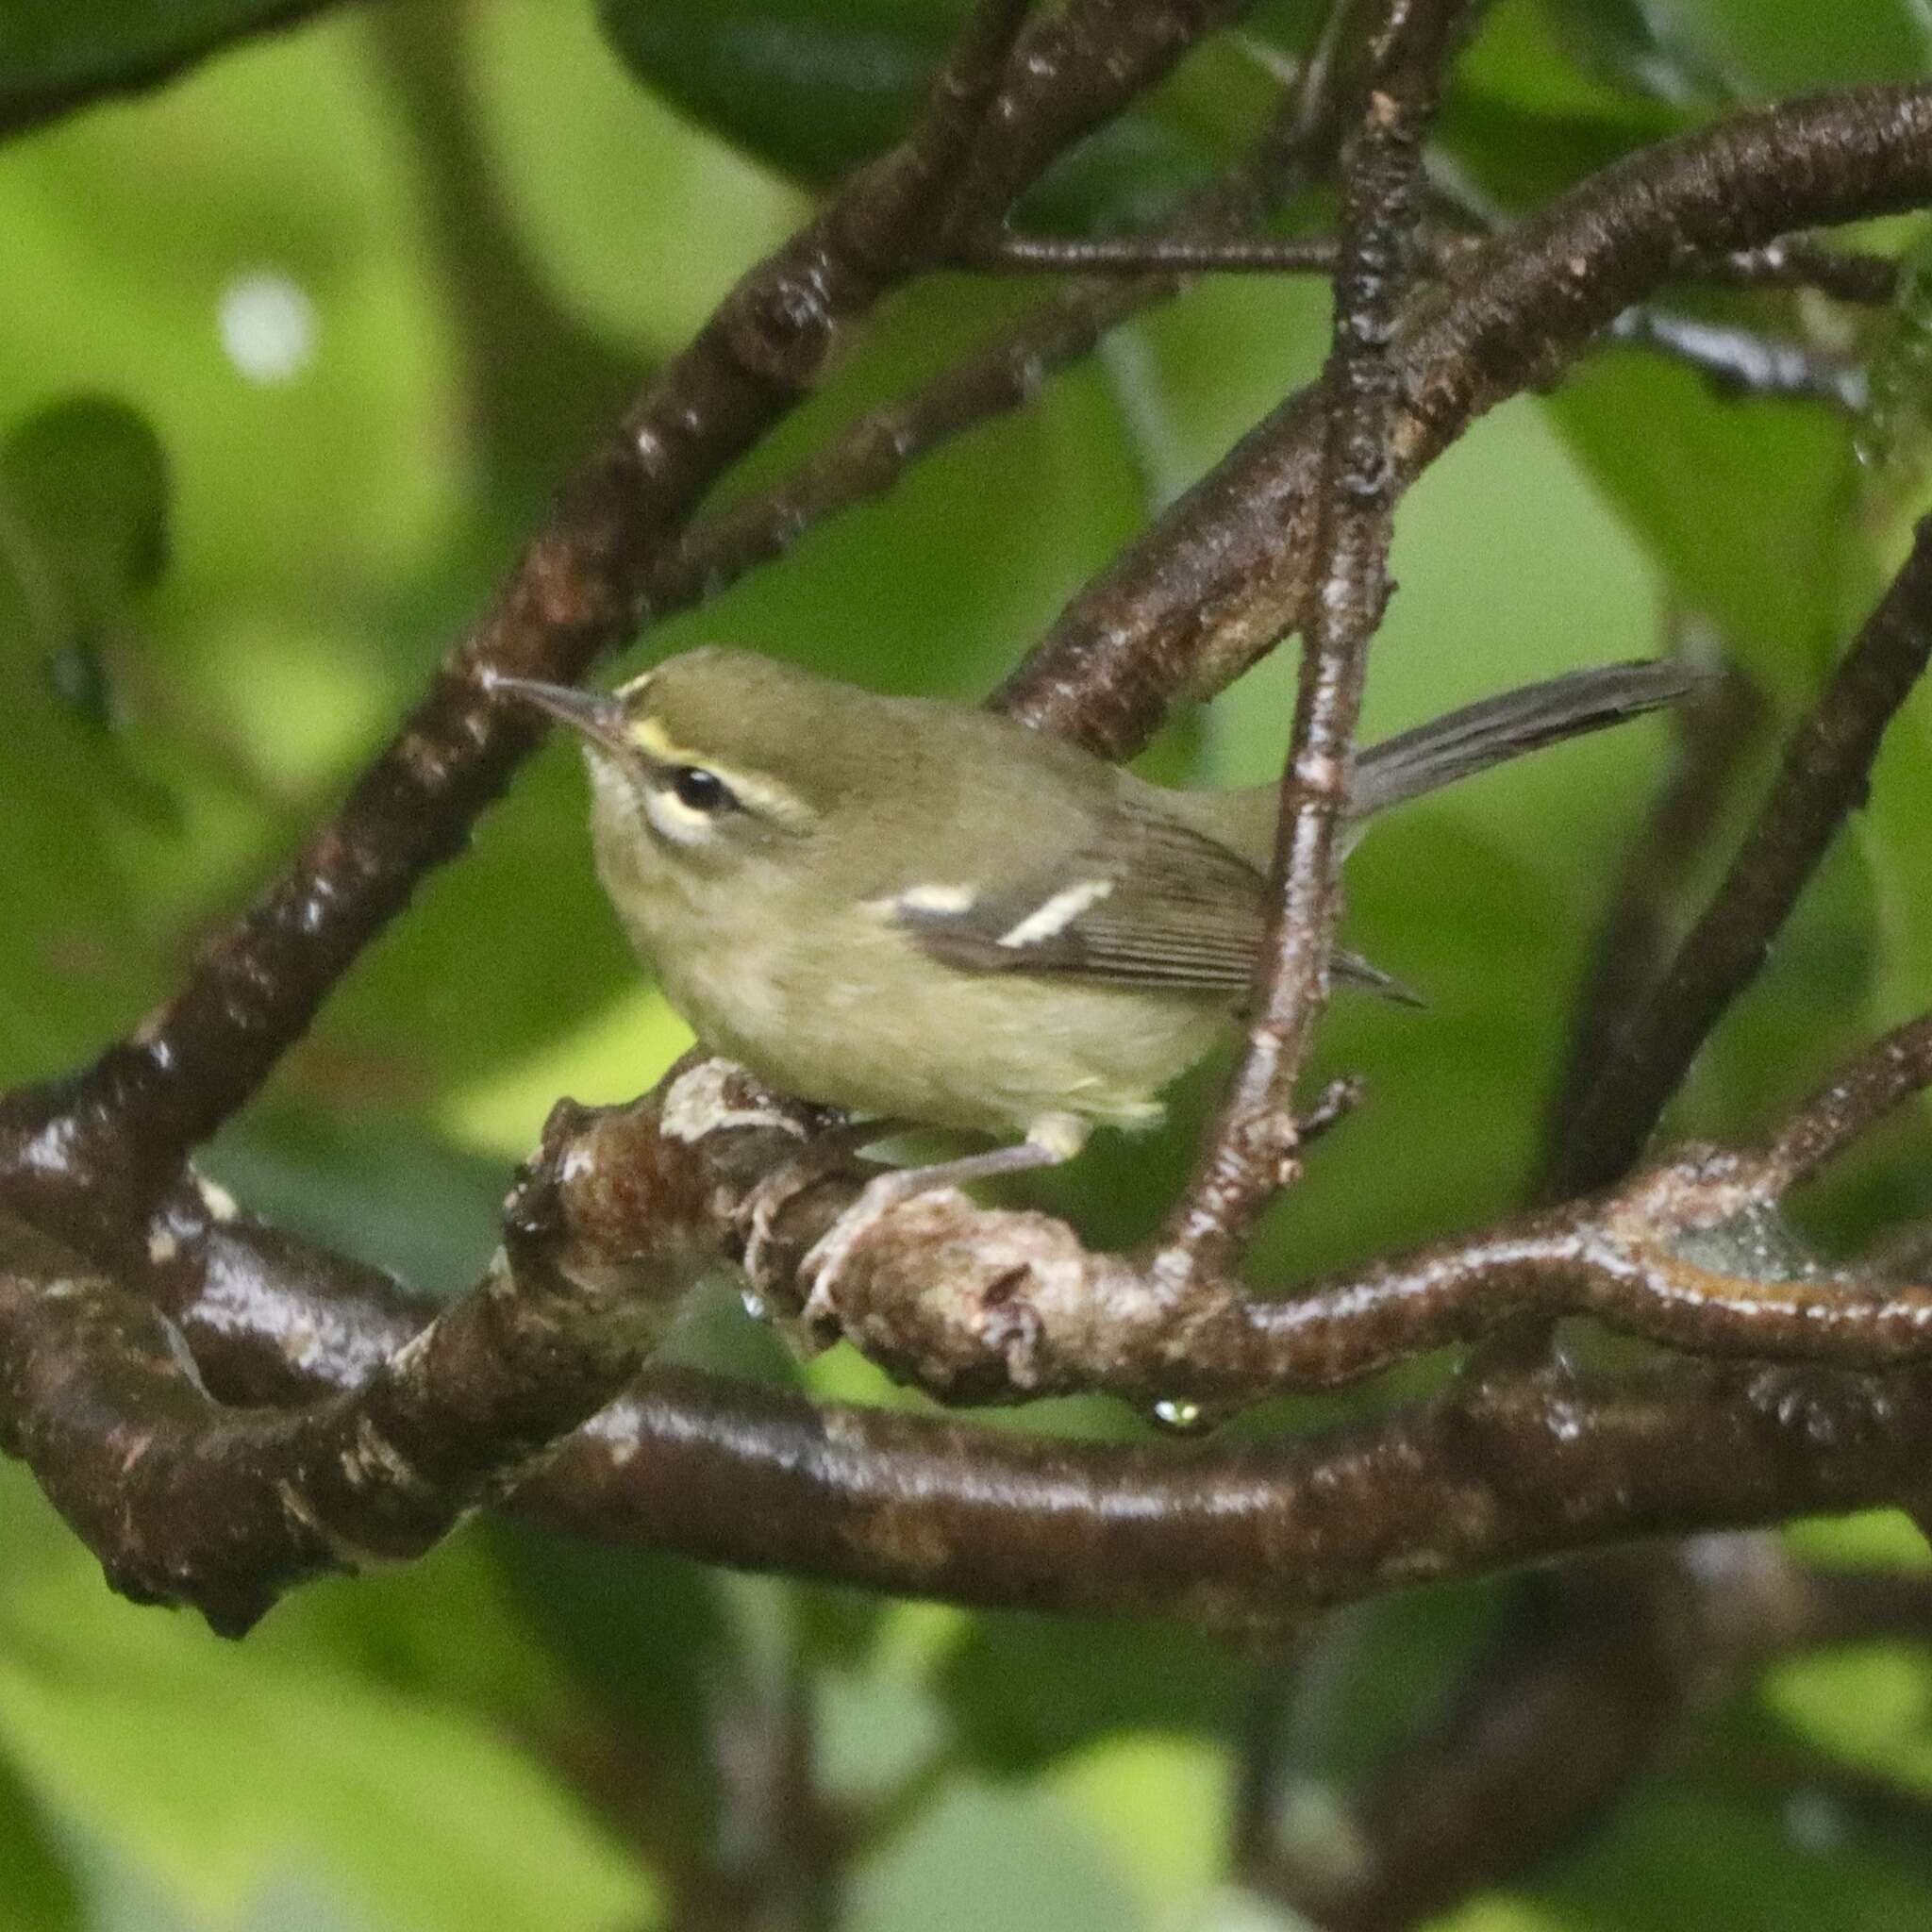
(823, 1156)
(1054, 1139)
(825, 1260)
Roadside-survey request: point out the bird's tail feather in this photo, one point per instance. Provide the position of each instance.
(1497, 730)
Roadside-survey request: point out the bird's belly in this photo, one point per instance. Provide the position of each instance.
(989, 1053)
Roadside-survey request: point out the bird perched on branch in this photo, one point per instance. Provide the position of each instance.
(918, 911)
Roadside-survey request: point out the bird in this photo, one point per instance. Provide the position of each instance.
(918, 911)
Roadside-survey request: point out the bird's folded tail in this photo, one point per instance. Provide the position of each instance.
(1494, 730)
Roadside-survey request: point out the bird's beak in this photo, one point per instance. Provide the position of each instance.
(594, 715)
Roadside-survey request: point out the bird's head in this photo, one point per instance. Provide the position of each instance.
(713, 754)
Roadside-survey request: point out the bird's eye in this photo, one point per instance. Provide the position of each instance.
(698, 790)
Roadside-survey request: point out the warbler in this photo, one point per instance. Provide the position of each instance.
(918, 911)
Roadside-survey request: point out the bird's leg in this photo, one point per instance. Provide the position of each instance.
(1050, 1141)
(821, 1156)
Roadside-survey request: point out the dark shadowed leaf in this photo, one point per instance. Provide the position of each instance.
(86, 483)
(651, 1641)
(1674, 1854)
(1895, 437)
(1746, 505)
(1530, 112)
(38, 1891)
(54, 49)
(1023, 1690)
(815, 86)
(1764, 48)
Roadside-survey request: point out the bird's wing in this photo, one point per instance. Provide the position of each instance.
(1141, 901)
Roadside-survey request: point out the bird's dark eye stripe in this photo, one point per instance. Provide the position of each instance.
(698, 790)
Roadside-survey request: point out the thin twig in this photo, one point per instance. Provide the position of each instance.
(1803, 261)
(1791, 262)
(1852, 1103)
(1228, 567)
(1138, 255)
(1823, 779)
(1254, 1139)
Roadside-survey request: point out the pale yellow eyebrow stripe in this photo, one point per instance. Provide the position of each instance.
(761, 794)
(650, 736)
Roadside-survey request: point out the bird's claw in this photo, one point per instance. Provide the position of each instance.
(819, 1158)
(825, 1259)
(760, 1209)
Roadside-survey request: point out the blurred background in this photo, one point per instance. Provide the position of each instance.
(291, 352)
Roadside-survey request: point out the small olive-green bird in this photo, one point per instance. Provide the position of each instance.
(918, 911)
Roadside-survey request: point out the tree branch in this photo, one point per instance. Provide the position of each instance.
(1823, 777)
(1230, 565)
(1250, 1150)
(187, 1501)
(1237, 1536)
(187, 1498)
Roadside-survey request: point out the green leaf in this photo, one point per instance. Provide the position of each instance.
(1159, 1806)
(1677, 1854)
(83, 501)
(981, 1857)
(1766, 48)
(1895, 437)
(815, 86)
(86, 483)
(813, 89)
(1889, 837)
(1526, 117)
(648, 1639)
(1630, 41)
(1811, 1006)
(386, 1192)
(224, 1772)
(1869, 1705)
(37, 1889)
(1082, 1681)
(83, 528)
(448, 1630)
(1519, 159)
(1744, 505)
(51, 49)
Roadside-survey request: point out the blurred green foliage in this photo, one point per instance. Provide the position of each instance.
(290, 353)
